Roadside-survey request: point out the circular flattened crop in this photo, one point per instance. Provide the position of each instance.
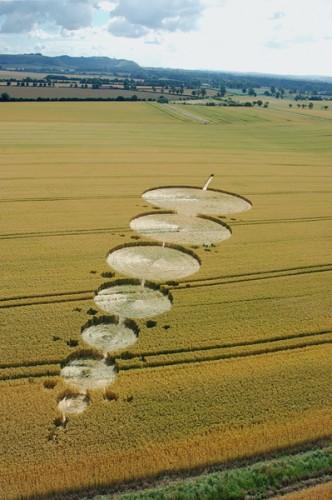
(88, 373)
(180, 228)
(192, 200)
(132, 300)
(73, 405)
(109, 336)
(153, 262)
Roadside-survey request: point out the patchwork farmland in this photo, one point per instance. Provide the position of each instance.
(236, 363)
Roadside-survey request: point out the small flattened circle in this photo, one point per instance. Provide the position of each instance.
(109, 337)
(132, 300)
(88, 373)
(73, 405)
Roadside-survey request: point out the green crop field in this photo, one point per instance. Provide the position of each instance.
(239, 367)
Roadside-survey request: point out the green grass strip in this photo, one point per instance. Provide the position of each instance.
(254, 480)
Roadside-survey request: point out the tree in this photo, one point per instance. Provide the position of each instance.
(259, 102)
(126, 85)
(163, 100)
(5, 97)
(252, 92)
(310, 105)
(290, 105)
(222, 90)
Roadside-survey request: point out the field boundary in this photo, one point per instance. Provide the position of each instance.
(118, 490)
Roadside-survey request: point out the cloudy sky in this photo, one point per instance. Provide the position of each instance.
(270, 36)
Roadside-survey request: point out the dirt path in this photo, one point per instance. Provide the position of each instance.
(180, 112)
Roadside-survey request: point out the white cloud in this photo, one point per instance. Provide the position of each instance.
(135, 18)
(19, 16)
(120, 26)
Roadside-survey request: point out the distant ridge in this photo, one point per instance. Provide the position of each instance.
(172, 77)
(38, 62)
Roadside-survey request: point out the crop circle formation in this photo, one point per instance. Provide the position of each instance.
(147, 265)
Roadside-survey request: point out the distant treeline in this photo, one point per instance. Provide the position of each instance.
(194, 78)
(7, 98)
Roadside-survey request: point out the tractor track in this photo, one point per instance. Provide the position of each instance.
(124, 229)
(67, 198)
(58, 297)
(131, 196)
(251, 277)
(307, 339)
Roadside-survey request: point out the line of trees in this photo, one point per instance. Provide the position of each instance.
(5, 97)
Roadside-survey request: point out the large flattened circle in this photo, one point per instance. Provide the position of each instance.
(153, 262)
(131, 300)
(109, 337)
(88, 373)
(192, 200)
(181, 228)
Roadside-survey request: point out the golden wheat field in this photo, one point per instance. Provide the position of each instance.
(239, 366)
